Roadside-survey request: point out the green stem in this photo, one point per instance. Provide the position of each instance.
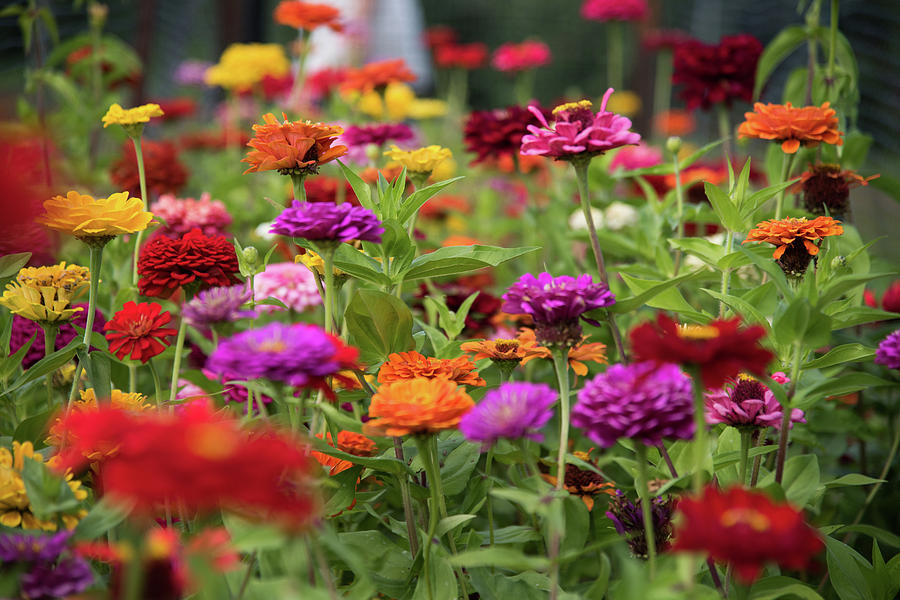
(132, 379)
(488, 463)
(829, 77)
(524, 86)
(646, 509)
(786, 165)
(299, 188)
(424, 446)
(50, 330)
(157, 385)
(701, 436)
(407, 500)
(139, 155)
(327, 254)
(96, 260)
(561, 364)
(614, 54)
(662, 84)
(796, 359)
(726, 272)
(176, 367)
(724, 129)
(745, 455)
(581, 177)
(679, 211)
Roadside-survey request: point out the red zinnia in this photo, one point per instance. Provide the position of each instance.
(719, 350)
(715, 74)
(745, 529)
(376, 76)
(200, 459)
(165, 173)
(194, 259)
(463, 56)
(138, 331)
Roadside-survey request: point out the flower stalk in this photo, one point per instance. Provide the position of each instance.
(786, 414)
(646, 510)
(96, 260)
(701, 436)
(786, 166)
(139, 155)
(176, 366)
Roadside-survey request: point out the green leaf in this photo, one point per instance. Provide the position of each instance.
(848, 571)
(379, 325)
(724, 207)
(837, 386)
(751, 204)
(852, 479)
(359, 265)
(415, 200)
(741, 307)
(840, 355)
(449, 523)
(767, 264)
(700, 247)
(504, 558)
(48, 493)
(860, 315)
(885, 537)
(10, 264)
(800, 480)
(456, 472)
(34, 429)
(645, 290)
(9, 364)
(774, 54)
(460, 259)
(104, 515)
(386, 465)
(345, 494)
(360, 187)
(667, 297)
(45, 366)
(842, 284)
(773, 588)
(247, 536)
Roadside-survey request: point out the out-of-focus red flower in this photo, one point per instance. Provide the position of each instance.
(716, 74)
(663, 39)
(720, 350)
(177, 108)
(324, 82)
(200, 459)
(377, 75)
(746, 529)
(462, 56)
(81, 68)
(441, 206)
(194, 260)
(491, 134)
(307, 15)
(164, 172)
(439, 35)
(614, 10)
(891, 299)
(512, 58)
(674, 122)
(274, 87)
(325, 189)
(138, 331)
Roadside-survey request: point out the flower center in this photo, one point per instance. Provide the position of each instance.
(505, 346)
(747, 388)
(272, 346)
(571, 106)
(139, 327)
(745, 516)
(697, 332)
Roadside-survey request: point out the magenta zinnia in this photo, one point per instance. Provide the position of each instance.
(513, 411)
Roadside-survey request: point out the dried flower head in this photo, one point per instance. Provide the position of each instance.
(826, 187)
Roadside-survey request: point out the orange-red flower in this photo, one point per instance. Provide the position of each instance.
(793, 127)
(411, 365)
(578, 355)
(417, 406)
(307, 15)
(377, 75)
(138, 331)
(784, 232)
(503, 350)
(348, 441)
(292, 147)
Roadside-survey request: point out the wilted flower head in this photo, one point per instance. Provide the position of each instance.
(291, 283)
(581, 482)
(328, 222)
(512, 411)
(888, 353)
(720, 73)
(827, 187)
(628, 519)
(793, 127)
(748, 403)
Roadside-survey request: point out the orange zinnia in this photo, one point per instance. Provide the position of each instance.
(377, 75)
(791, 126)
(578, 355)
(784, 232)
(583, 483)
(306, 15)
(501, 349)
(411, 365)
(417, 406)
(348, 441)
(292, 148)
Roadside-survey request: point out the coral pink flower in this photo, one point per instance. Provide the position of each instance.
(290, 283)
(614, 10)
(637, 157)
(511, 58)
(183, 214)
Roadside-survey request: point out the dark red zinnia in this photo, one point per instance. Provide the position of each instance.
(713, 74)
(325, 189)
(194, 260)
(745, 529)
(720, 350)
(491, 134)
(139, 331)
(164, 171)
(463, 56)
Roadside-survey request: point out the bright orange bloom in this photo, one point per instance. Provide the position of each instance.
(501, 349)
(306, 15)
(460, 240)
(348, 441)
(583, 483)
(417, 406)
(377, 75)
(411, 365)
(784, 232)
(791, 126)
(390, 173)
(292, 147)
(578, 355)
(674, 122)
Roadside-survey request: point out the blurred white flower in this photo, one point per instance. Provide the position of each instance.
(577, 222)
(262, 231)
(620, 215)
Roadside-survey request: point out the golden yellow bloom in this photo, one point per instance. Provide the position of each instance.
(314, 262)
(242, 66)
(444, 170)
(427, 108)
(624, 102)
(132, 402)
(15, 506)
(398, 98)
(45, 293)
(422, 160)
(84, 217)
(398, 103)
(116, 115)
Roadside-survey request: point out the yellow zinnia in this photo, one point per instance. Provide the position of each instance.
(15, 506)
(312, 261)
(85, 217)
(242, 66)
(45, 293)
(422, 160)
(116, 115)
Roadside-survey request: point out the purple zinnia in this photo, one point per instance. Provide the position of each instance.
(748, 403)
(33, 548)
(358, 137)
(69, 576)
(217, 305)
(556, 304)
(642, 401)
(512, 411)
(578, 132)
(23, 329)
(299, 355)
(628, 520)
(326, 221)
(888, 353)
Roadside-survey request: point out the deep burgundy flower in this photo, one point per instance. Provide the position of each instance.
(138, 331)
(746, 529)
(23, 329)
(715, 74)
(461, 56)
(324, 221)
(719, 350)
(164, 171)
(628, 519)
(194, 260)
(490, 134)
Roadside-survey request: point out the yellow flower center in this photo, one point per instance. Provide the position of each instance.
(272, 346)
(211, 441)
(745, 377)
(506, 345)
(697, 332)
(746, 516)
(573, 106)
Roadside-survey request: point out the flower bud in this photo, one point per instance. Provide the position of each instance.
(250, 256)
(673, 144)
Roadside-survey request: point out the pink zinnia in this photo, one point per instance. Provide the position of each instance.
(614, 10)
(290, 283)
(748, 403)
(184, 214)
(511, 58)
(636, 157)
(578, 131)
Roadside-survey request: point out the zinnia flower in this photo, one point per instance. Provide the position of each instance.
(95, 219)
(299, 355)
(138, 331)
(127, 401)
(307, 15)
(512, 411)
(359, 137)
(195, 260)
(511, 58)
(509, 351)
(645, 402)
(556, 304)
(292, 147)
(45, 294)
(46, 567)
(746, 529)
(888, 352)
(347, 441)
(116, 115)
(377, 75)
(461, 56)
(322, 83)
(794, 240)
(748, 403)
(578, 132)
(491, 134)
(243, 66)
(578, 354)
(793, 127)
(198, 459)
(290, 283)
(183, 214)
(718, 73)
(25, 329)
(217, 305)
(614, 10)
(412, 365)
(628, 519)
(719, 350)
(328, 222)
(584, 483)
(827, 186)
(164, 172)
(422, 160)
(417, 406)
